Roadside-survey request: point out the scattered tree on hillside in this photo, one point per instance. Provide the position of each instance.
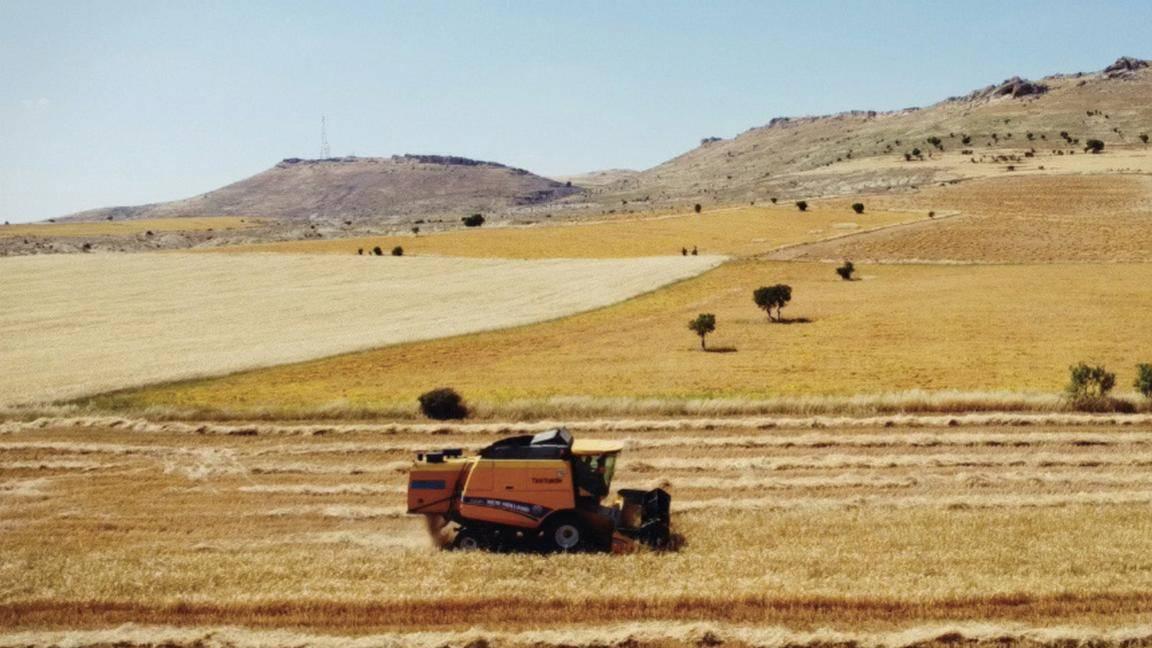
(845, 271)
(802, 205)
(1094, 146)
(377, 251)
(443, 404)
(773, 199)
(397, 251)
(1143, 382)
(704, 324)
(935, 141)
(769, 297)
(475, 220)
(416, 230)
(697, 208)
(1144, 137)
(967, 139)
(858, 208)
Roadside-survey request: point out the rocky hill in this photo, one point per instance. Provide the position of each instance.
(1014, 121)
(360, 190)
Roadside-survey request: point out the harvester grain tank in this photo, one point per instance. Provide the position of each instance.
(544, 491)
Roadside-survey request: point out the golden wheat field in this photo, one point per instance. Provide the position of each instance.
(985, 328)
(275, 534)
(1021, 219)
(129, 227)
(83, 323)
(733, 231)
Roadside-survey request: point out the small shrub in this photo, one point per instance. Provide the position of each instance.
(1089, 386)
(443, 404)
(845, 271)
(397, 251)
(415, 231)
(802, 205)
(769, 297)
(377, 251)
(704, 324)
(1144, 137)
(858, 208)
(1143, 382)
(697, 207)
(360, 251)
(1093, 146)
(773, 199)
(475, 220)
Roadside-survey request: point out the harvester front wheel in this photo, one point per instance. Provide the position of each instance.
(565, 534)
(467, 540)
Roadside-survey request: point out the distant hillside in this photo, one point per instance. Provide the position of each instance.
(865, 151)
(359, 189)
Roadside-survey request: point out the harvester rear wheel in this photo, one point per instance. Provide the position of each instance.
(468, 540)
(565, 534)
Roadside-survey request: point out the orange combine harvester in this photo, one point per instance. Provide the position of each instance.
(543, 492)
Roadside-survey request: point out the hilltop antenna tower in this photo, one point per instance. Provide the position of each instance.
(325, 151)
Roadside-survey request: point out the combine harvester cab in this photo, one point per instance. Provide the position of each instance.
(542, 491)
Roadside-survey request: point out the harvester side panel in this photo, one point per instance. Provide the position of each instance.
(518, 493)
(431, 487)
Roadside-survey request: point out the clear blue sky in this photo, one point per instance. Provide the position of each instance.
(109, 103)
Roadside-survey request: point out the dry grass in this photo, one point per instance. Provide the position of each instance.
(80, 324)
(896, 331)
(738, 231)
(129, 227)
(1055, 532)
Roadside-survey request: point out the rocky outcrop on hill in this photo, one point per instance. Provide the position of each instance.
(1124, 66)
(1014, 87)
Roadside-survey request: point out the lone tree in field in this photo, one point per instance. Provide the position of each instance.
(1143, 382)
(769, 297)
(443, 404)
(1089, 385)
(475, 220)
(704, 324)
(845, 271)
(698, 208)
(802, 205)
(858, 208)
(1093, 146)
(397, 251)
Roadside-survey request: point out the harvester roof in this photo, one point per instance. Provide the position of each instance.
(582, 447)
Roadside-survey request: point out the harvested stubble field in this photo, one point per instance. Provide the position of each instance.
(79, 324)
(289, 535)
(733, 231)
(1012, 329)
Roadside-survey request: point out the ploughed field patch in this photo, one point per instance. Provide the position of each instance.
(303, 529)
